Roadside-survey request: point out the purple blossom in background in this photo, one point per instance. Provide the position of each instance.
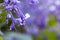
(33, 30)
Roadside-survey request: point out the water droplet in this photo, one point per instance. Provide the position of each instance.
(27, 15)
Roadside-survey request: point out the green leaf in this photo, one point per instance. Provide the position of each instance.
(3, 17)
(40, 37)
(1, 38)
(1, 1)
(50, 35)
(52, 20)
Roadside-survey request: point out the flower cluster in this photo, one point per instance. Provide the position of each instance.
(10, 7)
(36, 12)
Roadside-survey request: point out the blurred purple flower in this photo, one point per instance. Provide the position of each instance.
(12, 5)
(32, 30)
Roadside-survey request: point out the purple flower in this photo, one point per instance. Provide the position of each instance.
(12, 26)
(6, 19)
(32, 30)
(12, 5)
(2, 4)
(20, 15)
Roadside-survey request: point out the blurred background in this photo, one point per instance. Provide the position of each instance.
(42, 21)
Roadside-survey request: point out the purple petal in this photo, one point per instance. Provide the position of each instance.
(6, 19)
(12, 26)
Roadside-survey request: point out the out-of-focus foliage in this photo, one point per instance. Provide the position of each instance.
(2, 15)
(47, 35)
(1, 38)
(1, 1)
(50, 35)
(52, 20)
